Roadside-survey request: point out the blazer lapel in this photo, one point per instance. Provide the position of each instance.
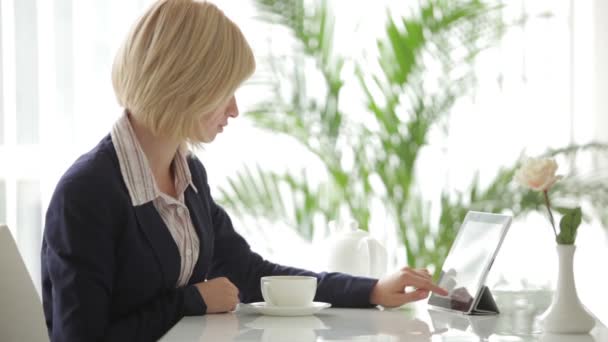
(159, 237)
(199, 214)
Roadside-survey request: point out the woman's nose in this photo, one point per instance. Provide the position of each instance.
(233, 108)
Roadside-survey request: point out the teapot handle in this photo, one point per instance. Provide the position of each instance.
(377, 257)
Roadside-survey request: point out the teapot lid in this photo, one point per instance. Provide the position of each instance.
(344, 226)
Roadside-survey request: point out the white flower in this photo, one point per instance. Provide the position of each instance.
(538, 174)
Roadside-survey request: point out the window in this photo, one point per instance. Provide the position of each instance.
(26, 72)
(29, 226)
(2, 201)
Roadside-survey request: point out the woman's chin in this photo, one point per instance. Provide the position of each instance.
(208, 137)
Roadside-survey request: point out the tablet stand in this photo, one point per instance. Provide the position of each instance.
(485, 305)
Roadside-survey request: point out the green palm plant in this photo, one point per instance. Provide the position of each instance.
(439, 43)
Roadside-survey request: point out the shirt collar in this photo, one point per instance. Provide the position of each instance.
(135, 169)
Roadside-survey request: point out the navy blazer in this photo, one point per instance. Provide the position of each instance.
(109, 269)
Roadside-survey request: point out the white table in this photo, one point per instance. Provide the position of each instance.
(416, 324)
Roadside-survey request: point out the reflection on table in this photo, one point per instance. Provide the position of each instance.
(370, 325)
(500, 328)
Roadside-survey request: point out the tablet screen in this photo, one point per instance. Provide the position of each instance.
(465, 268)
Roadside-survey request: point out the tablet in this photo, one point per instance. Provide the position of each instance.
(467, 264)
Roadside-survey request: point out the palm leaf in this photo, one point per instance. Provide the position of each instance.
(402, 109)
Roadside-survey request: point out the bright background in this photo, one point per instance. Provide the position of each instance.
(542, 87)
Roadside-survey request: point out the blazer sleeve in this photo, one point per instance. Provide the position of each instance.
(234, 259)
(78, 251)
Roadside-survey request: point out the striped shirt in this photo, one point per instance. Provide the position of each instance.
(142, 187)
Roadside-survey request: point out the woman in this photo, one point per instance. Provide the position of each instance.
(133, 241)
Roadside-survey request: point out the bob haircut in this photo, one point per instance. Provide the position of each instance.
(182, 60)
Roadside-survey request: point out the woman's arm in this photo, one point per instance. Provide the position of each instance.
(233, 258)
(79, 261)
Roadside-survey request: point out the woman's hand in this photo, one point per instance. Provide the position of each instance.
(219, 294)
(390, 291)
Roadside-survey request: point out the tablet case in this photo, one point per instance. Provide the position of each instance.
(482, 326)
(485, 304)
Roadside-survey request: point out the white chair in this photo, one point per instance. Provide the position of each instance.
(21, 314)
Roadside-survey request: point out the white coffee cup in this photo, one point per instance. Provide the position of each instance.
(288, 291)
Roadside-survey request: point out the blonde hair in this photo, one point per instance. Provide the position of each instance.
(183, 59)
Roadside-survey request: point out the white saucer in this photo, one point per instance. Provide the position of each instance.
(265, 309)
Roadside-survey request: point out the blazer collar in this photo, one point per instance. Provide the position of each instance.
(135, 169)
(163, 245)
(159, 237)
(204, 229)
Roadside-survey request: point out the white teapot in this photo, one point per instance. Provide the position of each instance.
(353, 251)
